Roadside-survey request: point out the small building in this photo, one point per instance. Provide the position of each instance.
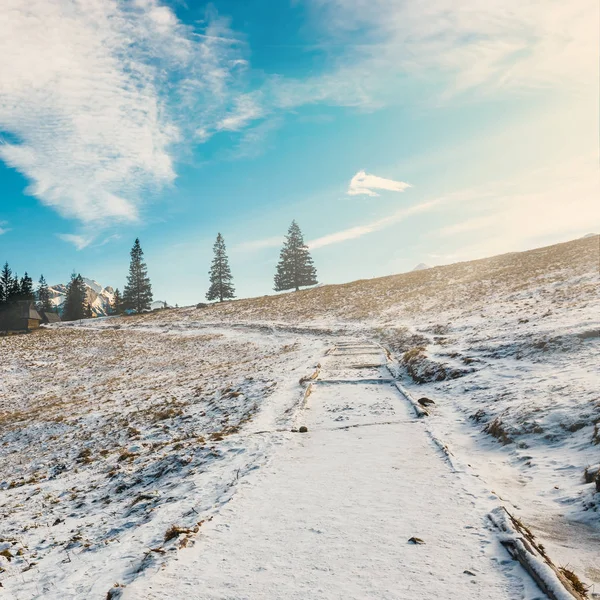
(22, 316)
(28, 317)
(49, 317)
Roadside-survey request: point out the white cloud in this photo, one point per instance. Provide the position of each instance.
(396, 217)
(246, 110)
(364, 184)
(79, 241)
(481, 46)
(99, 96)
(96, 96)
(3, 228)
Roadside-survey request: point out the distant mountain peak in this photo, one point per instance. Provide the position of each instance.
(421, 266)
(100, 298)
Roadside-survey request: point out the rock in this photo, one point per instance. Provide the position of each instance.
(467, 572)
(303, 429)
(415, 540)
(425, 401)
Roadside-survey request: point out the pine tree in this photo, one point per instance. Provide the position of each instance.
(89, 313)
(116, 306)
(221, 286)
(5, 284)
(295, 267)
(26, 289)
(43, 295)
(137, 294)
(14, 289)
(76, 300)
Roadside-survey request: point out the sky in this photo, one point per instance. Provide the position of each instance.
(394, 132)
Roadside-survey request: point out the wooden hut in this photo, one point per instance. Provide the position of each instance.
(27, 317)
(49, 317)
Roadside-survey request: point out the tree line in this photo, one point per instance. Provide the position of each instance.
(13, 290)
(295, 269)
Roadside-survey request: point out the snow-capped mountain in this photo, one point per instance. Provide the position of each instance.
(100, 298)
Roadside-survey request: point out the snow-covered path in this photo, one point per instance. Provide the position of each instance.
(331, 514)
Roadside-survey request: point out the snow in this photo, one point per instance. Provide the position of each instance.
(201, 403)
(94, 285)
(100, 298)
(331, 515)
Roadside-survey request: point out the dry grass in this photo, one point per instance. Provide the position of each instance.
(118, 413)
(497, 430)
(574, 580)
(435, 290)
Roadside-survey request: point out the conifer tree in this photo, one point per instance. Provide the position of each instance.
(116, 306)
(89, 313)
(221, 286)
(5, 284)
(26, 289)
(43, 295)
(76, 300)
(295, 267)
(137, 294)
(14, 290)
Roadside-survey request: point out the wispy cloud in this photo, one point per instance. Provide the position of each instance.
(483, 47)
(396, 217)
(98, 96)
(79, 241)
(3, 228)
(247, 109)
(364, 184)
(253, 141)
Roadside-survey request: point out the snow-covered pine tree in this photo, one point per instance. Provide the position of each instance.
(295, 268)
(76, 300)
(43, 295)
(221, 286)
(137, 294)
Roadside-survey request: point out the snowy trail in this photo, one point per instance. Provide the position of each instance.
(331, 515)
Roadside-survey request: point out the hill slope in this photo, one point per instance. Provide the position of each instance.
(557, 273)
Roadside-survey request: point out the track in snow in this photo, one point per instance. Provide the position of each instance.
(331, 515)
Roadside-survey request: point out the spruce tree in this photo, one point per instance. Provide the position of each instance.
(89, 313)
(295, 267)
(221, 286)
(76, 300)
(116, 306)
(5, 284)
(43, 295)
(14, 290)
(137, 294)
(26, 289)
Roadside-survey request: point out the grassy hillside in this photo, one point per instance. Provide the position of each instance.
(562, 272)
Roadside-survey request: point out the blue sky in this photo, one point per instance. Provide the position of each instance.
(394, 133)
